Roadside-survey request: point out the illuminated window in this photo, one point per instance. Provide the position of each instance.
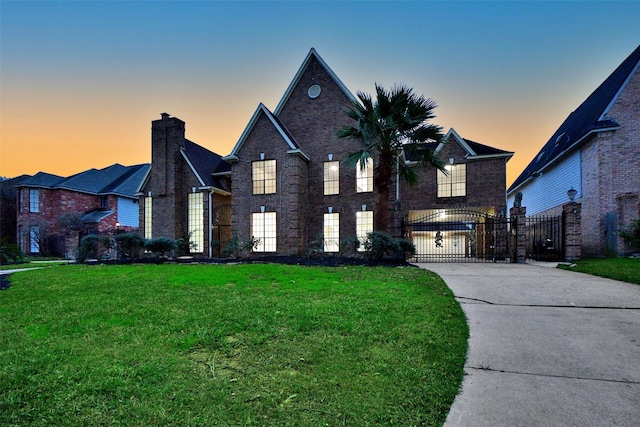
(331, 178)
(364, 226)
(196, 219)
(148, 217)
(364, 177)
(34, 200)
(263, 228)
(331, 232)
(455, 183)
(264, 177)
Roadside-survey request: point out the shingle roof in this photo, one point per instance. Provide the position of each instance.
(96, 216)
(588, 118)
(115, 179)
(206, 163)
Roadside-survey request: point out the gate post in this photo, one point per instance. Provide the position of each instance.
(571, 215)
(518, 226)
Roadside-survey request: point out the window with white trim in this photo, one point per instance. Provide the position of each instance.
(264, 176)
(364, 226)
(454, 183)
(364, 177)
(263, 228)
(34, 200)
(195, 222)
(148, 217)
(331, 178)
(332, 232)
(34, 239)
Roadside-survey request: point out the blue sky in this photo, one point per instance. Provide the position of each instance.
(81, 81)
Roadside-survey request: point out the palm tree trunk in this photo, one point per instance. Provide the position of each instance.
(382, 180)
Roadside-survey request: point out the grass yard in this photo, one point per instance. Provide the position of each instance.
(624, 269)
(229, 345)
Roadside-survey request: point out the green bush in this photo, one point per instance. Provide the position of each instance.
(379, 245)
(9, 252)
(93, 246)
(161, 246)
(237, 245)
(129, 245)
(632, 236)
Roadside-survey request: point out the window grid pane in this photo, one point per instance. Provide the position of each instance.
(196, 218)
(263, 227)
(364, 177)
(331, 178)
(148, 215)
(364, 226)
(454, 184)
(34, 200)
(331, 232)
(264, 177)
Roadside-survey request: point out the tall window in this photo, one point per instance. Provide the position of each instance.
(196, 219)
(148, 217)
(455, 183)
(364, 226)
(263, 227)
(264, 177)
(20, 200)
(364, 177)
(331, 178)
(331, 232)
(34, 200)
(34, 239)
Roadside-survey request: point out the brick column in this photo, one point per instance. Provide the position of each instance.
(519, 242)
(571, 215)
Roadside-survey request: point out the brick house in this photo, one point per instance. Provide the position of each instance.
(52, 211)
(292, 190)
(187, 194)
(596, 152)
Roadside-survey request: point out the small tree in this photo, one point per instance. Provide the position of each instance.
(93, 246)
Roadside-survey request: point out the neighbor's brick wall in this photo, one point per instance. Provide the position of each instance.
(611, 174)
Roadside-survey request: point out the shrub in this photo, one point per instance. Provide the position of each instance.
(237, 245)
(632, 236)
(129, 245)
(379, 245)
(9, 252)
(161, 246)
(93, 246)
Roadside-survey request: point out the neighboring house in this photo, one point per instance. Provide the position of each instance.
(596, 151)
(293, 192)
(8, 208)
(187, 194)
(53, 211)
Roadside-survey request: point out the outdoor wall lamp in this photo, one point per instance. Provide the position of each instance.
(571, 193)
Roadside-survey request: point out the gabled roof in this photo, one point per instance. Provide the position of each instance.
(116, 179)
(96, 216)
(312, 55)
(277, 124)
(474, 150)
(589, 118)
(206, 165)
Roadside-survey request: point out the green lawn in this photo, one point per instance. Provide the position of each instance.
(262, 344)
(624, 269)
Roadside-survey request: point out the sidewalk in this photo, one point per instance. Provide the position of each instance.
(547, 347)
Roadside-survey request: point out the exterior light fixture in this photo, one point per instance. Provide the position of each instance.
(261, 209)
(261, 156)
(330, 157)
(330, 209)
(572, 194)
(364, 208)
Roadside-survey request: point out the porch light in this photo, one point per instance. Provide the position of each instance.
(261, 156)
(330, 208)
(572, 194)
(261, 209)
(330, 156)
(364, 208)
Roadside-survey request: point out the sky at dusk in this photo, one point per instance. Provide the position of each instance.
(81, 81)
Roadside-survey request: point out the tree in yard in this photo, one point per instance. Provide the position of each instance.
(383, 127)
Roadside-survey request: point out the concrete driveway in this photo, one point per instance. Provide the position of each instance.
(547, 347)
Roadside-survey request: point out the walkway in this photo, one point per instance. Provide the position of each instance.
(547, 347)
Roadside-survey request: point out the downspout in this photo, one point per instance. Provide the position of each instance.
(210, 224)
(397, 182)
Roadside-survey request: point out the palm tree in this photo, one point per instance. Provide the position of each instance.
(383, 128)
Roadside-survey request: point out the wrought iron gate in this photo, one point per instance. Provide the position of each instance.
(460, 235)
(545, 238)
